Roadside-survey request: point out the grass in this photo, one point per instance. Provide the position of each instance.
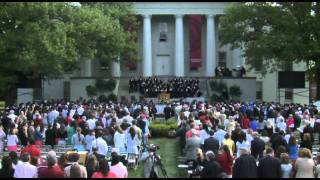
(169, 152)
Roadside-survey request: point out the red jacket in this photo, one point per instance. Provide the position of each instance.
(245, 123)
(290, 122)
(225, 163)
(32, 150)
(53, 172)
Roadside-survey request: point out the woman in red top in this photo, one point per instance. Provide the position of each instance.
(104, 170)
(290, 122)
(225, 160)
(245, 122)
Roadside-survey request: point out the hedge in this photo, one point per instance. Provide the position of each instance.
(103, 85)
(163, 129)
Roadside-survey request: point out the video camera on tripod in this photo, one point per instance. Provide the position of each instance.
(156, 161)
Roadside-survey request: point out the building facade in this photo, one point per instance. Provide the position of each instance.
(175, 39)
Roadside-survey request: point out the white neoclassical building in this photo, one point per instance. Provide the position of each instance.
(176, 39)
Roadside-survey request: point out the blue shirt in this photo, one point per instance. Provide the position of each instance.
(253, 125)
(293, 152)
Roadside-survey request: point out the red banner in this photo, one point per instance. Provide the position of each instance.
(195, 41)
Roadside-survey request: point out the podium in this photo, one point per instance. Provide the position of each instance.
(164, 97)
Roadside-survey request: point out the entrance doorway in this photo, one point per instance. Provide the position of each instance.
(164, 66)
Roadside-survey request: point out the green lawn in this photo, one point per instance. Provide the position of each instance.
(169, 152)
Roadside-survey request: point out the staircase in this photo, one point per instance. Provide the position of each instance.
(315, 146)
(123, 90)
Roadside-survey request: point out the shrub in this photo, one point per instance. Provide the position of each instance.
(110, 85)
(218, 86)
(163, 129)
(103, 98)
(112, 97)
(103, 85)
(91, 90)
(235, 91)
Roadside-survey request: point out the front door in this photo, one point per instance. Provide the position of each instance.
(164, 66)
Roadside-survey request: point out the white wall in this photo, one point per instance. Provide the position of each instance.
(53, 89)
(24, 95)
(78, 88)
(270, 87)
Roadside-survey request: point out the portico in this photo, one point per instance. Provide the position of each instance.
(179, 54)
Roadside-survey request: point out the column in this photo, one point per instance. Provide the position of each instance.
(211, 46)
(87, 68)
(116, 69)
(179, 47)
(147, 46)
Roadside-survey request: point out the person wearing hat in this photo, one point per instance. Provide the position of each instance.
(211, 169)
(53, 169)
(245, 166)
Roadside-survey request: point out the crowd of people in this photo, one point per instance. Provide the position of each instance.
(249, 140)
(92, 127)
(177, 87)
(222, 71)
(217, 140)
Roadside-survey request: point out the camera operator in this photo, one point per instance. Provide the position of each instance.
(153, 167)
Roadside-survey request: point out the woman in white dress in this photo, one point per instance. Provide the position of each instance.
(119, 139)
(132, 142)
(2, 137)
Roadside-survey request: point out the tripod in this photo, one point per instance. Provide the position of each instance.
(155, 159)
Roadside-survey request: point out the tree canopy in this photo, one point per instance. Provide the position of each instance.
(48, 38)
(273, 34)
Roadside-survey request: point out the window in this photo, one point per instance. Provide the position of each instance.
(163, 29)
(259, 95)
(222, 59)
(66, 90)
(104, 66)
(288, 94)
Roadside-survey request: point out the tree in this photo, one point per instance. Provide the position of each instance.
(274, 34)
(48, 38)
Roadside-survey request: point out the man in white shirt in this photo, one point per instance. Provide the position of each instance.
(282, 125)
(65, 112)
(53, 114)
(92, 123)
(219, 135)
(80, 110)
(12, 116)
(25, 169)
(279, 118)
(72, 111)
(100, 144)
